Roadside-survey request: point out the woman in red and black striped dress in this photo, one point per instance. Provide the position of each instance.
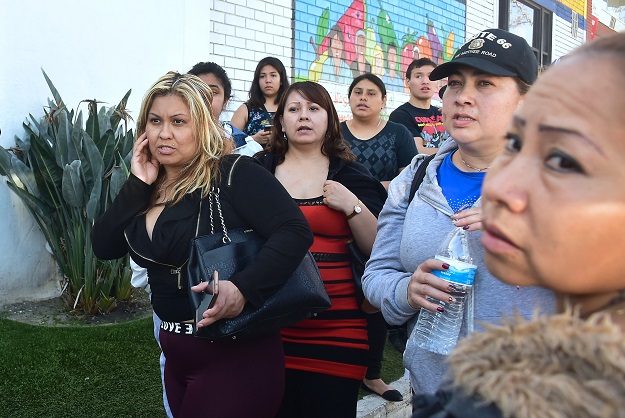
(326, 355)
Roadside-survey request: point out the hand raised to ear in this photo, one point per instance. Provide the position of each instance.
(143, 164)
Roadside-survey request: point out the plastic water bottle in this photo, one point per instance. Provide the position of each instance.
(438, 331)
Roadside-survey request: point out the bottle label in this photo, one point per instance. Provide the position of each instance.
(458, 272)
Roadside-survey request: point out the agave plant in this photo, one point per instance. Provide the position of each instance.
(67, 172)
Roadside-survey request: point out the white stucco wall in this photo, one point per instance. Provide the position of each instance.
(100, 50)
(89, 50)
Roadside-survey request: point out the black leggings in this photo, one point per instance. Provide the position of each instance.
(316, 395)
(376, 327)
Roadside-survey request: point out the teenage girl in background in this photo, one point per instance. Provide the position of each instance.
(255, 116)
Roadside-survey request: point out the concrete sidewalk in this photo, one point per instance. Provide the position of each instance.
(373, 406)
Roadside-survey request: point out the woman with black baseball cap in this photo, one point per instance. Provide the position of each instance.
(554, 216)
(488, 79)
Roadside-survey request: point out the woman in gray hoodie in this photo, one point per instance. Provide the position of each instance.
(488, 78)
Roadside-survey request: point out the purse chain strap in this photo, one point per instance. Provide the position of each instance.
(213, 195)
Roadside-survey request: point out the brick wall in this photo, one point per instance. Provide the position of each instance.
(245, 31)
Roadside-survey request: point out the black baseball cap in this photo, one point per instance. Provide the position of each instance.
(494, 51)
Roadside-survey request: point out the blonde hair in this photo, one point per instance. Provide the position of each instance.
(203, 168)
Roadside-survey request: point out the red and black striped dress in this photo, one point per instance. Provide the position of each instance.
(335, 341)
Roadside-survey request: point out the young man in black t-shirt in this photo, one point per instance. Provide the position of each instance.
(423, 120)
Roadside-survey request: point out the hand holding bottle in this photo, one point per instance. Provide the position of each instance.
(438, 331)
(423, 284)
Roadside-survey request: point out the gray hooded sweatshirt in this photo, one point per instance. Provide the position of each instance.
(410, 233)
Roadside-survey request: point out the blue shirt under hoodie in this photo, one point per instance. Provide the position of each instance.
(461, 189)
(410, 233)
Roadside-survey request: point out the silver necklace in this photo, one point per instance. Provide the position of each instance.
(351, 124)
(479, 170)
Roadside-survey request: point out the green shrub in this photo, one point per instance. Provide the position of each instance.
(67, 173)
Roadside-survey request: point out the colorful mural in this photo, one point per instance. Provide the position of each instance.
(338, 40)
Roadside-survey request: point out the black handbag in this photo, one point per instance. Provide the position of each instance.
(358, 260)
(229, 252)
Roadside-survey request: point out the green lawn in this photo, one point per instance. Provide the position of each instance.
(101, 371)
(91, 371)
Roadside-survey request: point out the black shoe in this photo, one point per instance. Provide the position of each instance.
(392, 395)
(398, 338)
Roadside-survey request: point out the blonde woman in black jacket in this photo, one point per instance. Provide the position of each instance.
(179, 154)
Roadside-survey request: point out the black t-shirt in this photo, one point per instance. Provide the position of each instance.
(426, 123)
(384, 154)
